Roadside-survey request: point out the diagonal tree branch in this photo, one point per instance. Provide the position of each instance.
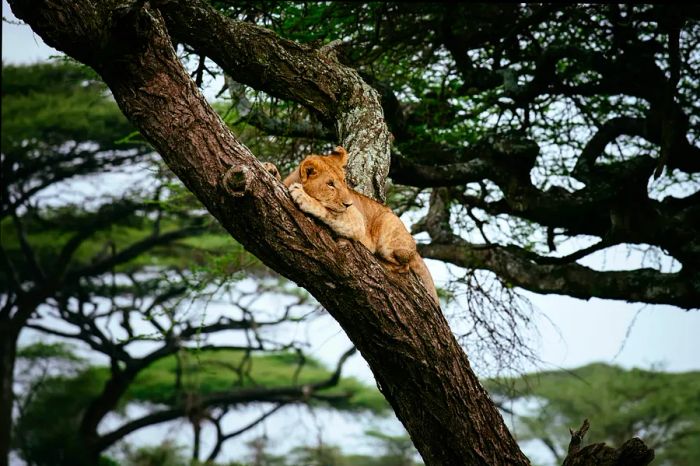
(132, 251)
(105, 217)
(518, 267)
(392, 320)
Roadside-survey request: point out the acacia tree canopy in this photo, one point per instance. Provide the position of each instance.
(186, 384)
(556, 131)
(391, 320)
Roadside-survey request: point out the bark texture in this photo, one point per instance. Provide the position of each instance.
(394, 323)
(390, 318)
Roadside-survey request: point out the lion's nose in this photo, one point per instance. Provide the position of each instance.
(347, 203)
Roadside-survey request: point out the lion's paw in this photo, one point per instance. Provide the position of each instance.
(305, 202)
(272, 170)
(296, 190)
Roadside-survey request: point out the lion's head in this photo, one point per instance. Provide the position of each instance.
(323, 178)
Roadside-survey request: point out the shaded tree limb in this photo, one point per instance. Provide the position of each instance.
(57, 174)
(614, 204)
(517, 267)
(279, 127)
(27, 249)
(103, 218)
(132, 251)
(281, 395)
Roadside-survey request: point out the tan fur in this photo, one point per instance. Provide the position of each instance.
(318, 187)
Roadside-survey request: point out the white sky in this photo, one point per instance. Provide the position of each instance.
(572, 332)
(19, 43)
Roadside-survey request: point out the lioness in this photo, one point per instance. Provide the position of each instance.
(318, 187)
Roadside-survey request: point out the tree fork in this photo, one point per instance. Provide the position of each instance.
(314, 78)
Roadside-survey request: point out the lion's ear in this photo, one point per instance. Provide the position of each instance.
(307, 169)
(342, 155)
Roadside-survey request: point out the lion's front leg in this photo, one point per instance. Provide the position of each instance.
(395, 244)
(307, 203)
(349, 224)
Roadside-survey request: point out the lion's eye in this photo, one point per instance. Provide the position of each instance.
(331, 184)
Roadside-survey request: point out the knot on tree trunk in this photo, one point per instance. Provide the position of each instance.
(632, 453)
(236, 180)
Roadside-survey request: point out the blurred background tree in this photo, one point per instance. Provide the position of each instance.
(662, 408)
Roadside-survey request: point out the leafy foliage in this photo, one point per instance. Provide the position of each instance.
(208, 372)
(460, 85)
(114, 269)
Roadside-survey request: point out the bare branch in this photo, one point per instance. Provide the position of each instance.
(221, 437)
(632, 452)
(547, 276)
(132, 251)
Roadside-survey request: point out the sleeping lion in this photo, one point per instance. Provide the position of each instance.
(319, 189)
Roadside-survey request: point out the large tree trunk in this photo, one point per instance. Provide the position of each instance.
(392, 320)
(8, 350)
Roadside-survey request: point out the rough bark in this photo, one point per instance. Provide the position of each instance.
(392, 320)
(312, 77)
